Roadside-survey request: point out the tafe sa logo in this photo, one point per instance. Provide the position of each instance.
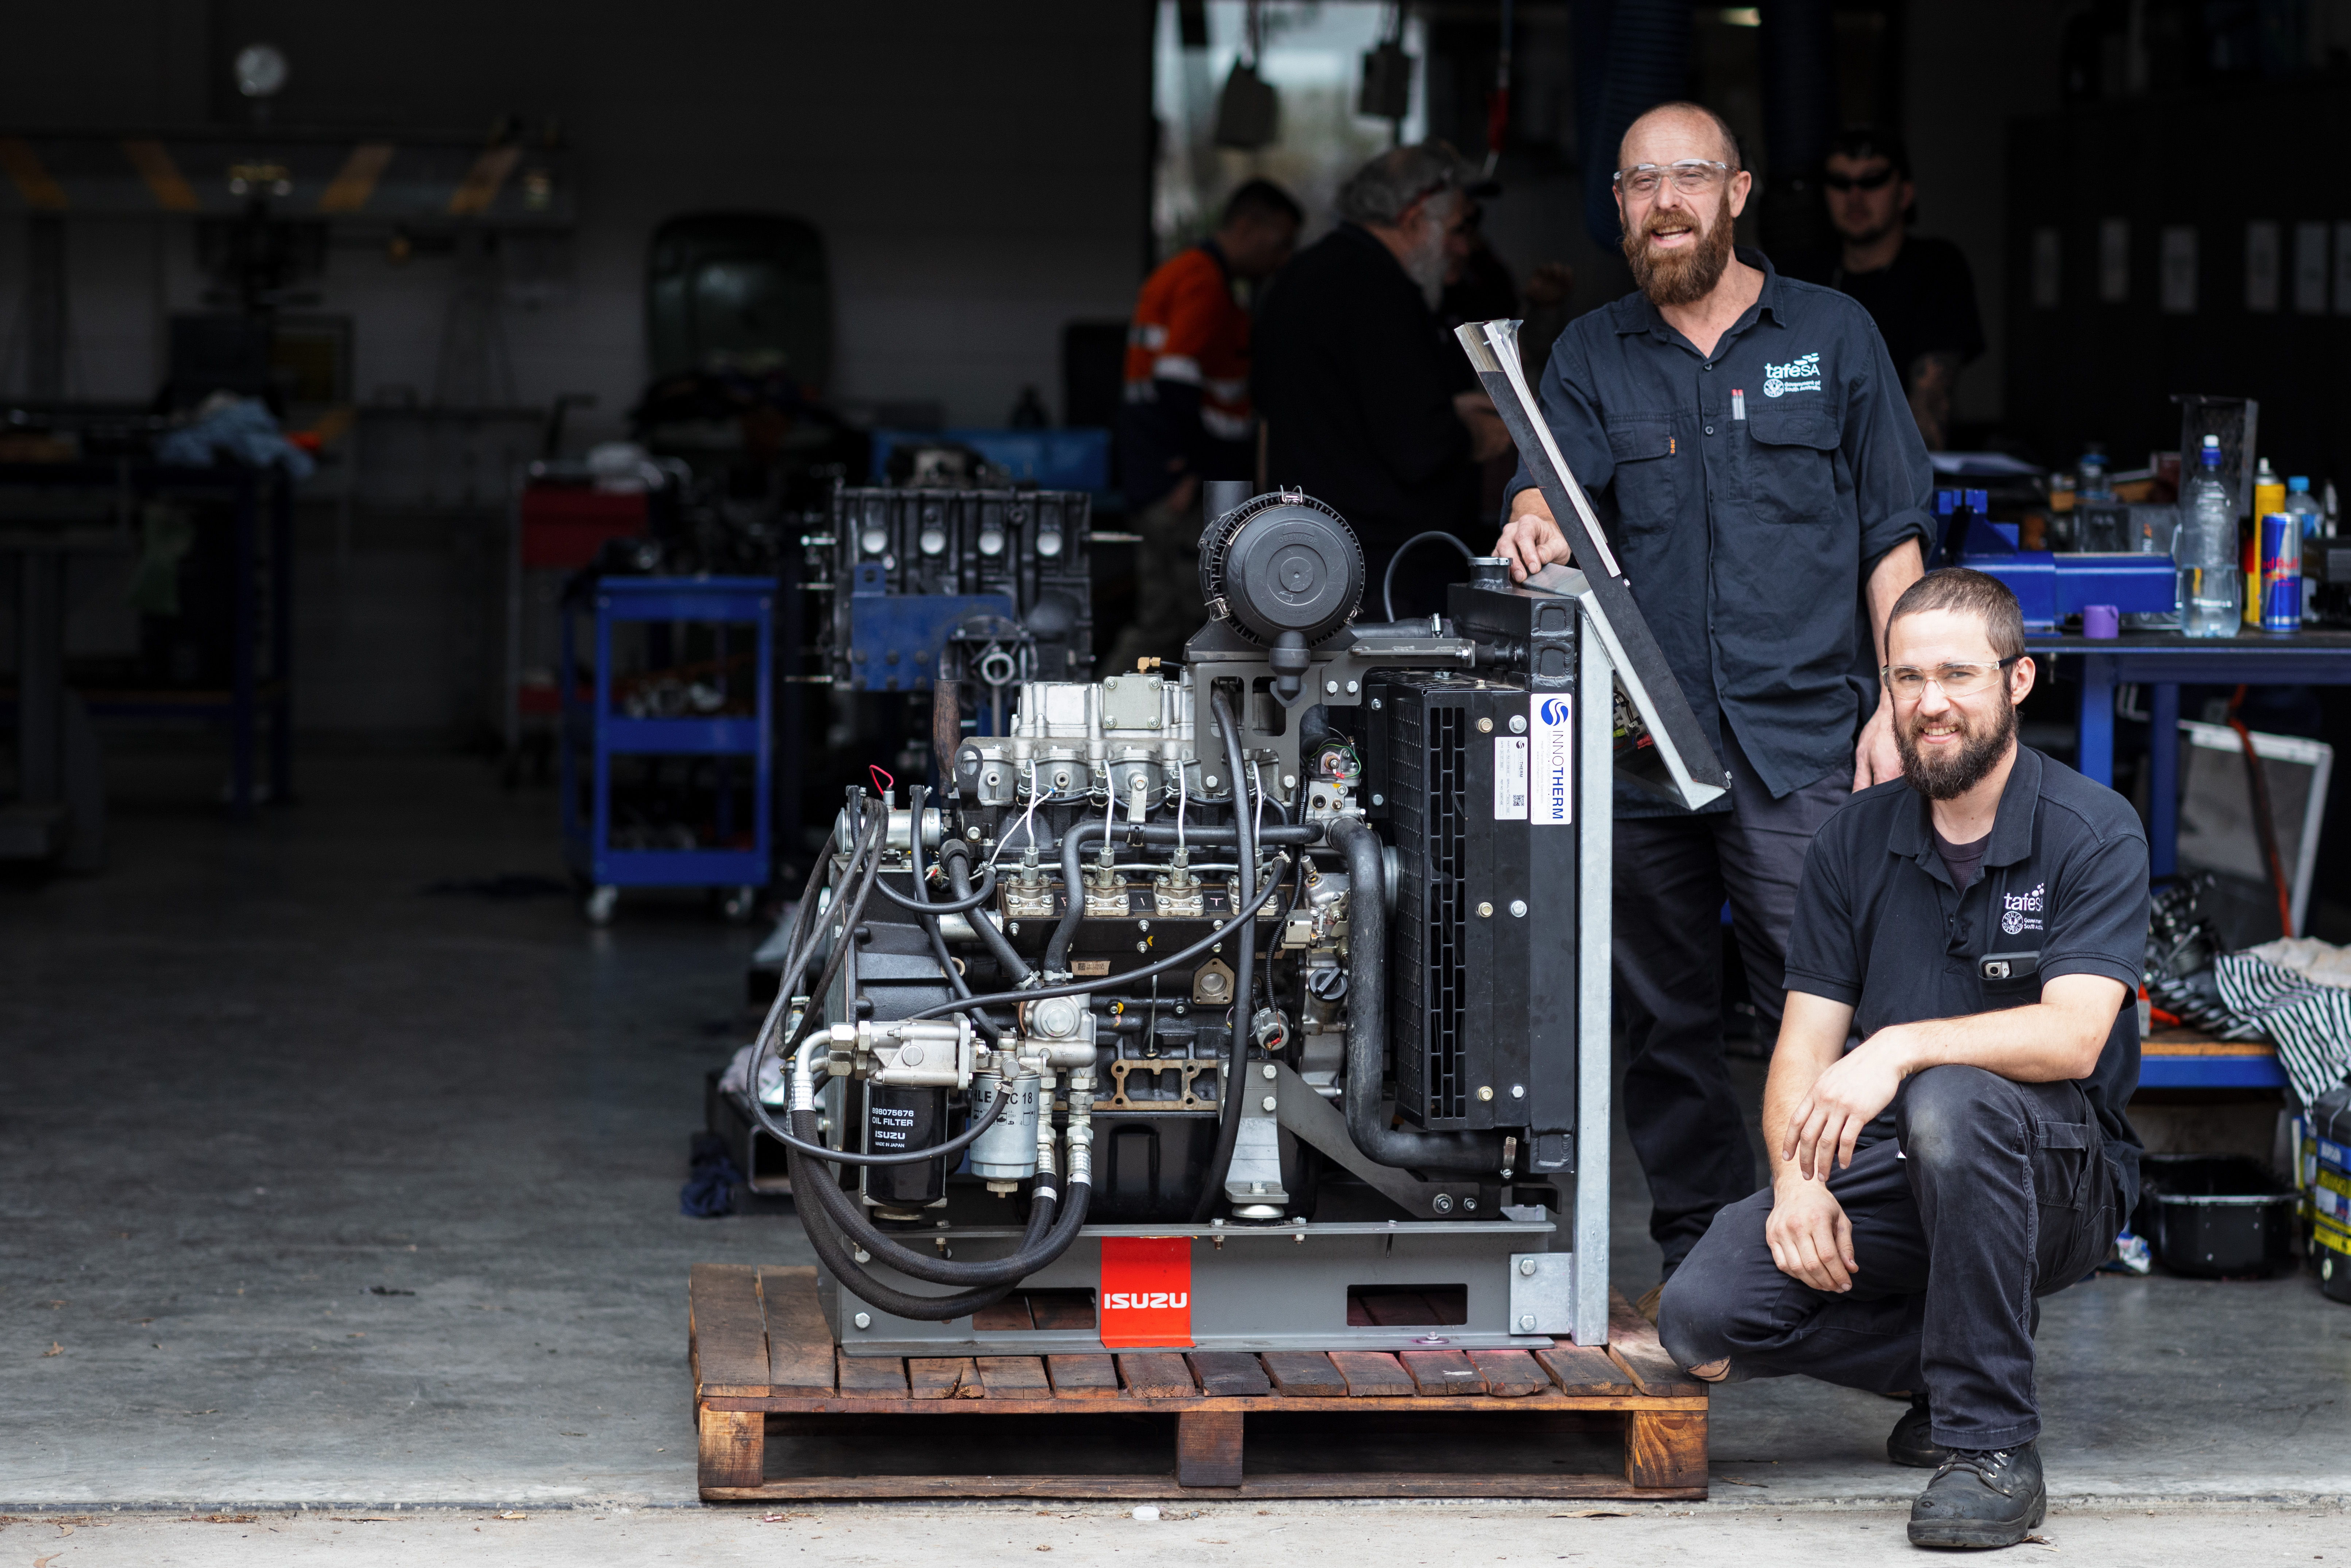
(1800, 374)
(2021, 911)
(1147, 1292)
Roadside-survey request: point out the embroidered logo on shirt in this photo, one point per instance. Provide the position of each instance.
(1802, 374)
(2021, 911)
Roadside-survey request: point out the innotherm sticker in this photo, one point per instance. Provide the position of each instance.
(1551, 767)
(1510, 778)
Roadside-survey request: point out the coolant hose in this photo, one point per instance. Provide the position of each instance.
(1229, 1123)
(1367, 1027)
(1017, 973)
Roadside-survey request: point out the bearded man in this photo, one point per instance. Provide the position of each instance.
(1751, 456)
(1366, 403)
(1944, 1116)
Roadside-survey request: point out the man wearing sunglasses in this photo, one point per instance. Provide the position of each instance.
(1944, 1117)
(1745, 442)
(1919, 291)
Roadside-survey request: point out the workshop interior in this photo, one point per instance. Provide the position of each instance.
(594, 780)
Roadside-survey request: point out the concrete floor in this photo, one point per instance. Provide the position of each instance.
(319, 1191)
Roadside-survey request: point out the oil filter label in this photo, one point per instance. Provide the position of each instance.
(1147, 1292)
(1551, 767)
(1510, 778)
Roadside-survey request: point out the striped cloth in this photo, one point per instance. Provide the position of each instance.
(2308, 1021)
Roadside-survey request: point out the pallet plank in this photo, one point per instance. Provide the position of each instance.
(942, 1377)
(1508, 1374)
(1373, 1374)
(1633, 1341)
(1083, 1376)
(1578, 1369)
(1443, 1372)
(1209, 1448)
(1229, 1373)
(1665, 1448)
(1304, 1374)
(1014, 1377)
(800, 1341)
(1157, 1374)
(731, 1448)
(1062, 1310)
(1338, 1484)
(730, 1342)
(872, 1376)
(1009, 1315)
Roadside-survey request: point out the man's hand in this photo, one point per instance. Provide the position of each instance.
(1532, 541)
(1876, 760)
(1810, 1237)
(1488, 436)
(1841, 1102)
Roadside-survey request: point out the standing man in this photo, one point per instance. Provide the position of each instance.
(1919, 291)
(1747, 448)
(1186, 416)
(1977, 929)
(1361, 390)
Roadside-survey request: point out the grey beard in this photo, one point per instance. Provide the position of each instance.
(1426, 264)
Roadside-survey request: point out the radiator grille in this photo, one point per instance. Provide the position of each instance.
(1430, 761)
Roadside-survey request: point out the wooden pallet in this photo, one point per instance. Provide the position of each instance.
(764, 1362)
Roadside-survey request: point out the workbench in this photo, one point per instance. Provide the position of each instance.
(2163, 662)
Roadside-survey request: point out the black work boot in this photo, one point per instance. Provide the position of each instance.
(1981, 1497)
(1910, 1443)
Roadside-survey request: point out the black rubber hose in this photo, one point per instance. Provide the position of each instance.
(1229, 1123)
(921, 905)
(1367, 1029)
(979, 1018)
(1387, 578)
(1015, 969)
(1057, 948)
(841, 1265)
(1087, 987)
(1050, 1233)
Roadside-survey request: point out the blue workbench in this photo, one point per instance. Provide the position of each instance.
(2163, 662)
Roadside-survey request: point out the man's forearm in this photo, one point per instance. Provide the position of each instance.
(1812, 1032)
(2047, 1042)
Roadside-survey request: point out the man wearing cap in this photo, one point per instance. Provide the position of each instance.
(1749, 453)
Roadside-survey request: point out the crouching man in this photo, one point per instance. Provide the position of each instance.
(1945, 1108)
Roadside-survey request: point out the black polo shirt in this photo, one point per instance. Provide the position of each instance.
(1879, 926)
(1748, 496)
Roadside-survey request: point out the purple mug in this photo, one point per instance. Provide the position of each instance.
(2101, 620)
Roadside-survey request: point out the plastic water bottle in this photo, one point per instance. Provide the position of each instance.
(2211, 583)
(2090, 482)
(2300, 502)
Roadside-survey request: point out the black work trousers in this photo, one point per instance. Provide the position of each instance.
(1673, 875)
(1991, 1194)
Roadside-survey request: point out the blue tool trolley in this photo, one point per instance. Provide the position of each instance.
(597, 728)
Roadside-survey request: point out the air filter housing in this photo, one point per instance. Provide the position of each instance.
(1282, 563)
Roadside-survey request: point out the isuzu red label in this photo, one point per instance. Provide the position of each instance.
(1145, 1298)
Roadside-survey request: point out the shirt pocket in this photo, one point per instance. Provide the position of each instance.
(1791, 458)
(1642, 448)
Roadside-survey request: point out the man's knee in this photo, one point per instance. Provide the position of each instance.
(1709, 1299)
(1946, 1113)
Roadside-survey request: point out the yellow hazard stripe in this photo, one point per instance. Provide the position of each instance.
(2332, 1237)
(154, 161)
(349, 191)
(33, 182)
(480, 187)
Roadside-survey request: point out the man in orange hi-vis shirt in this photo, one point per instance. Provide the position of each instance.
(1186, 416)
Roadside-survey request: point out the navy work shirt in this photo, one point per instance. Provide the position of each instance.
(1748, 496)
(2063, 890)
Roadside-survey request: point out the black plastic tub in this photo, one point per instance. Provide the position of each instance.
(2215, 1216)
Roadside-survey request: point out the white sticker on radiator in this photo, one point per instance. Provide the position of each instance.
(1551, 767)
(1510, 778)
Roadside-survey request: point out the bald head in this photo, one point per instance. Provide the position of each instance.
(1672, 132)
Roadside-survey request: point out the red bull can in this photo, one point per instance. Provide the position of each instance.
(2281, 572)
